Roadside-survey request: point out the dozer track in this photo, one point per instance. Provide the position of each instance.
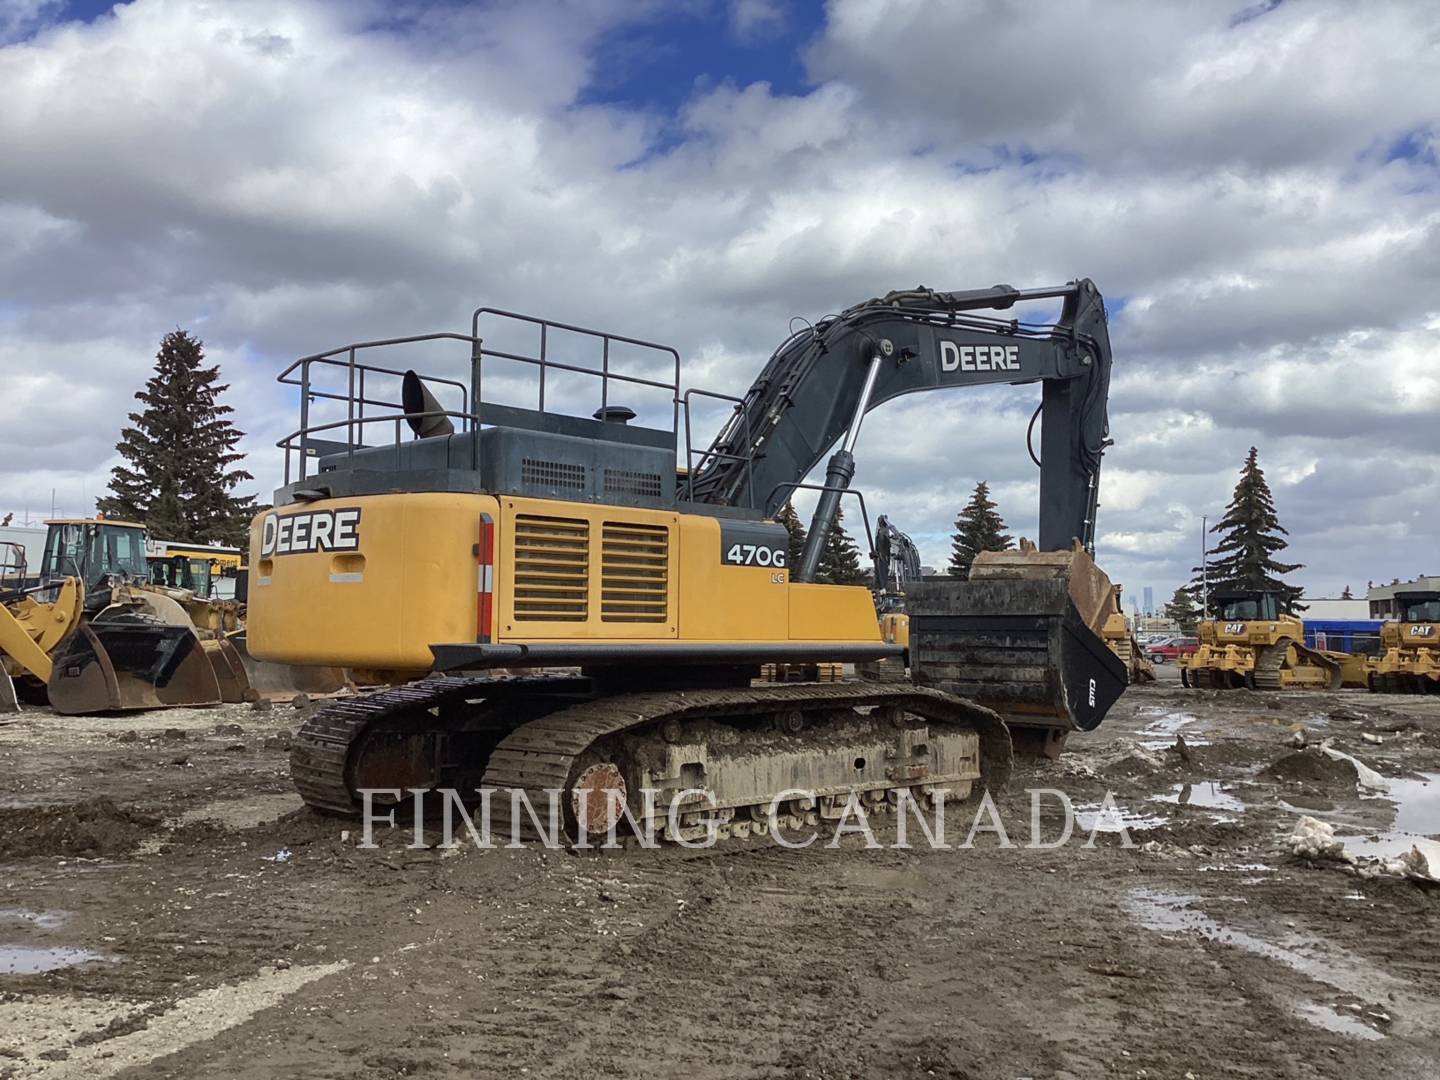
(1271, 662)
(722, 757)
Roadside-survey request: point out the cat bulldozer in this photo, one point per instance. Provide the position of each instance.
(646, 582)
(1411, 661)
(1254, 643)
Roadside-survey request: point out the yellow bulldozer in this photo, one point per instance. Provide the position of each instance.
(1254, 643)
(1411, 661)
(95, 632)
(1123, 643)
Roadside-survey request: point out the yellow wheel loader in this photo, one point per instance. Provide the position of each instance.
(505, 537)
(98, 635)
(1411, 661)
(1253, 643)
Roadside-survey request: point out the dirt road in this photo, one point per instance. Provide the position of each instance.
(166, 909)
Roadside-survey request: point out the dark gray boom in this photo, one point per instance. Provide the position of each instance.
(818, 386)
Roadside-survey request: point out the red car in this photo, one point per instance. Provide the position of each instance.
(1171, 649)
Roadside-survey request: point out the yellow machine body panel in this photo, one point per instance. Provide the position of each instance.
(387, 576)
(365, 582)
(1411, 649)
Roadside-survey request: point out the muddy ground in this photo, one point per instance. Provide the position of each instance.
(195, 922)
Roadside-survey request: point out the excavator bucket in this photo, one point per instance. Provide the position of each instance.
(132, 663)
(1022, 636)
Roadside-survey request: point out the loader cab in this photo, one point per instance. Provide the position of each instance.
(93, 550)
(183, 572)
(1247, 606)
(1419, 607)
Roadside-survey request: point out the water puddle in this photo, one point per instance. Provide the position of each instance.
(1332, 1019)
(26, 959)
(1315, 958)
(33, 959)
(1416, 820)
(1096, 817)
(41, 920)
(1207, 794)
(1164, 726)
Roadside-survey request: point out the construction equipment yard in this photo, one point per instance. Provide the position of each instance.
(168, 908)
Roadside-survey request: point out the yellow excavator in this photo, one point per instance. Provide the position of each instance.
(96, 634)
(1254, 643)
(510, 537)
(1411, 662)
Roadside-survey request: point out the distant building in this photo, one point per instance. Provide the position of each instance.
(1381, 598)
(32, 540)
(1149, 600)
(1325, 607)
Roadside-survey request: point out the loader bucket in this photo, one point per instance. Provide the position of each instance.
(1021, 637)
(229, 670)
(131, 664)
(266, 679)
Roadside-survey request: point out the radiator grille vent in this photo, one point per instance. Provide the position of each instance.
(552, 474)
(631, 482)
(634, 573)
(552, 568)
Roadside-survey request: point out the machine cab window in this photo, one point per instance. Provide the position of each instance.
(1248, 608)
(1422, 609)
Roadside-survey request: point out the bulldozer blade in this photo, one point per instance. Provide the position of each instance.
(122, 665)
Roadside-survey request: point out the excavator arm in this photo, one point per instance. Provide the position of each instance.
(818, 386)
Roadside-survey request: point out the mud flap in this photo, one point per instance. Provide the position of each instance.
(127, 664)
(9, 700)
(1019, 647)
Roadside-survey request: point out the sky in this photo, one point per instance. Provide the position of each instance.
(1254, 187)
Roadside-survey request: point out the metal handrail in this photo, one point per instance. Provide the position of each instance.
(544, 363)
(690, 453)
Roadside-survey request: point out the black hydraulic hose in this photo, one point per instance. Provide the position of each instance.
(1030, 435)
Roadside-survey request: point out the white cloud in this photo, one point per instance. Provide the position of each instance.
(286, 177)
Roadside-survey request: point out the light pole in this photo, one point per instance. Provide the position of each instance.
(1204, 570)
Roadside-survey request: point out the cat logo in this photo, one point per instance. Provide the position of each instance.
(1424, 630)
(1236, 628)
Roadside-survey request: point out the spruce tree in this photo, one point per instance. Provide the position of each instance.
(839, 558)
(796, 528)
(1183, 610)
(977, 528)
(1251, 538)
(177, 478)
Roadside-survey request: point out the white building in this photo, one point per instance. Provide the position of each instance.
(32, 540)
(1326, 607)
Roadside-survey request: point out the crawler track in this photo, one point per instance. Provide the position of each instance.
(553, 746)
